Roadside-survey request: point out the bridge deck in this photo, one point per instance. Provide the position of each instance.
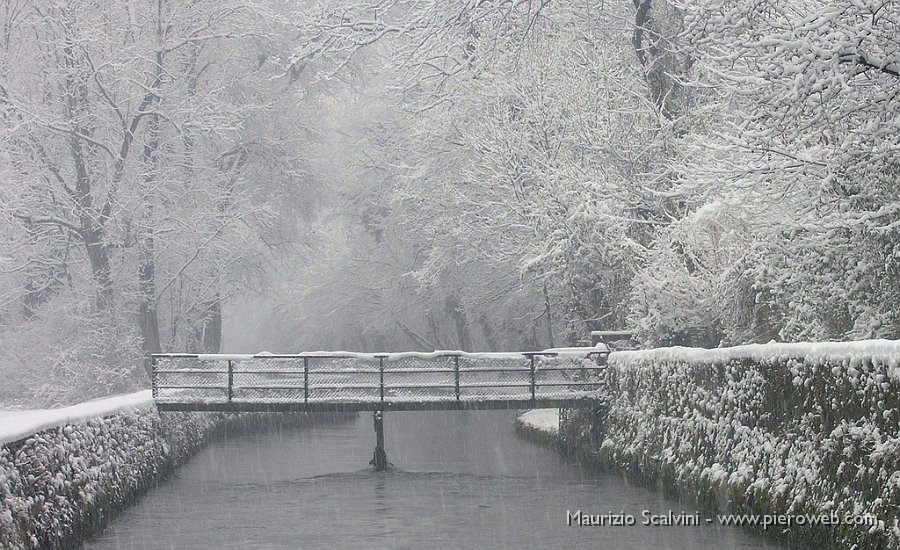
(564, 377)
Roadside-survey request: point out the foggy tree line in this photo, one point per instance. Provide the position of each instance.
(491, 174)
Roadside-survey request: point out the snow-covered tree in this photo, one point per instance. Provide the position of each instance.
(805, 143)
(149, 158)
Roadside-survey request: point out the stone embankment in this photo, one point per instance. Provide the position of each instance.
(781, 430)
(65, 473)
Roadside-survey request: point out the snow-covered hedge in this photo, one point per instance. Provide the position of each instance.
(61, 484)
(776, 428)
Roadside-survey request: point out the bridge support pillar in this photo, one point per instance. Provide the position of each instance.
(379, 460)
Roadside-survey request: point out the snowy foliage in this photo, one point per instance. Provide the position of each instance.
(67, 354)
(708, 171)
(793, 150)
(549, 166)
(493, 174)
(779, 428)
(150, 154)
(59, 485)
(507, 197)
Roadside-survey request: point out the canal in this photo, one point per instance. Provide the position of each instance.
(460, 480)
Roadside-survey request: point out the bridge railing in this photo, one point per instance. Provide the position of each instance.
(377, 381)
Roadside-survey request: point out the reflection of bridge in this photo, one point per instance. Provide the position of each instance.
(341, 381)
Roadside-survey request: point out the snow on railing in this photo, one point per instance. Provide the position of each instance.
(368, 381)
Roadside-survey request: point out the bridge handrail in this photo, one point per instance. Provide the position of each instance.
(599, 349)
(379, 369)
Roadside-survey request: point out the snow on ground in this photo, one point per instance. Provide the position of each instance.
(545, 420)
(17, 425)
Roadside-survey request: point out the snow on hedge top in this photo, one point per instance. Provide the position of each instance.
(885, 351)
(17, 425)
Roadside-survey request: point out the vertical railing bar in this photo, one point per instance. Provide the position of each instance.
(533, 378)
(456, 374)
(230, 380)
(381, 377)
(306, 380)
(154, 383)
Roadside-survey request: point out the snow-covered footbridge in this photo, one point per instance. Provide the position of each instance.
(341, 381)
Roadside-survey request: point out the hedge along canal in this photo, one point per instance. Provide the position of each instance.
(776, 429)
(66, 473)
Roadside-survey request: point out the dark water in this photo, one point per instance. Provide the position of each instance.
(461, 480)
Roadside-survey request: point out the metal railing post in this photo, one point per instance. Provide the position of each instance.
(381, 377)
(533, 378)
(153, 376)
(230, 380)
(306, 379)
(456, 374)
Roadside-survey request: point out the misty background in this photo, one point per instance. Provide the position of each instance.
(209, 176)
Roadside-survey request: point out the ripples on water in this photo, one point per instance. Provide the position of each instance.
(460, 480)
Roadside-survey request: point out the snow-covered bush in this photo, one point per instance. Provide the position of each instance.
(61, 485)
(67, 354)
(814, 284)
(774, 428)
(677, 298)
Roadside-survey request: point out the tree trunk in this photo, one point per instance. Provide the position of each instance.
(42, 282)
(548, 314)
(435, 330)
(92, 229)
(98, 255)
(661, 64)
(147, 314)
(212, 326)
(489, 335)
(459, 320)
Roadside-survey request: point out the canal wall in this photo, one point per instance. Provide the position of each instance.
(65, 473)
(788, 429)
